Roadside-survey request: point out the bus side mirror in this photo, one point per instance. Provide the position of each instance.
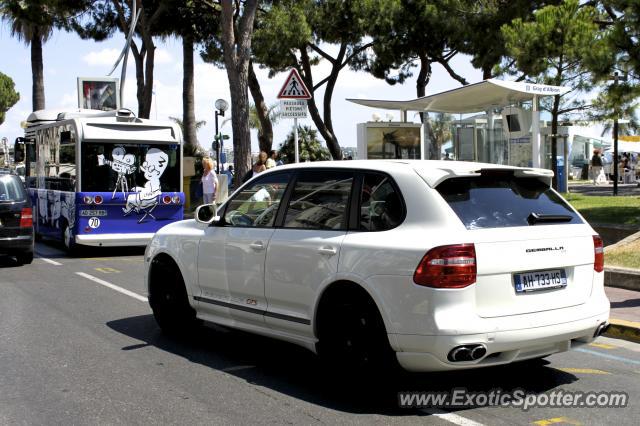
(18, 151)
(206, 214)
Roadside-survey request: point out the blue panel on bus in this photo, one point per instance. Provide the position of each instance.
(132, 212)
(95, 213)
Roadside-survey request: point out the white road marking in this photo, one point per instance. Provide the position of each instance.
(113, 287)
(450, 417)
(53, 262)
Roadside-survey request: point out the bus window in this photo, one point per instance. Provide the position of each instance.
(107, 167)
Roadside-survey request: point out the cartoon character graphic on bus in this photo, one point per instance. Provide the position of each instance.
(43, 207)
(145, 199)
(121, 163)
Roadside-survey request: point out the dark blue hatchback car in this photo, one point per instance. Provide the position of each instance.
(16, 219)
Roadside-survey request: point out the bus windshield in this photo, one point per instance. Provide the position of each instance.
(109, 166)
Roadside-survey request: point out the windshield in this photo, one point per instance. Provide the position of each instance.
(503, 201)
(123, 167)
(11, 189)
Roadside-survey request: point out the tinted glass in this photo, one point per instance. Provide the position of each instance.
(319, 200)
(257, 204)
(11, 189)
(380, 204)
(503, 201)
(122, 167)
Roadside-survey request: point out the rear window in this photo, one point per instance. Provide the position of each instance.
(11, 189)
(504, 201)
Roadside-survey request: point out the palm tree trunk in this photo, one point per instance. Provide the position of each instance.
(37, 71)
(188, 114)
(265, 133)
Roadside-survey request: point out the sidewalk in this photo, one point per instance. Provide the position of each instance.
(625, 314)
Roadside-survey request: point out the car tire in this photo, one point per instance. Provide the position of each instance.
(353, 338)
(25, 258)
(169, 301)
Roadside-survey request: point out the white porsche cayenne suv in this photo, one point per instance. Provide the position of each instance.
(435, 265)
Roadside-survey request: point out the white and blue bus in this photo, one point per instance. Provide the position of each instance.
(101, 178)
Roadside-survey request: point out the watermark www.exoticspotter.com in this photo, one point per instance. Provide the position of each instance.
(519, 398)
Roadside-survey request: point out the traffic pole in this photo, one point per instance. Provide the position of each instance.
(295, 140)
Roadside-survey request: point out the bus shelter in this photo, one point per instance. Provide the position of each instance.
(501, 125)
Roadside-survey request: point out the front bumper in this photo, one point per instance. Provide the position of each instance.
(114, 240)
(429, 353)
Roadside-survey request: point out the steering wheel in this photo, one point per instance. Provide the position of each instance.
(236, 218)
(266, 216)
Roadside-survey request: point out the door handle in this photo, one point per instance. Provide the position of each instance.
(257, 245)
(329, 251)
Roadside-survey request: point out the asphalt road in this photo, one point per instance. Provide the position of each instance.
(76, 348)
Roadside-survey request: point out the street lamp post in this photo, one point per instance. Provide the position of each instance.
(616, 78)
(221, 106)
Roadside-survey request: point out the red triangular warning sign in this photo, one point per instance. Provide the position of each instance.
(294, 87)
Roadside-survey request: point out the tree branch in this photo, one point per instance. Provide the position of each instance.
(322, 53)
(451, 72)
(355, 53)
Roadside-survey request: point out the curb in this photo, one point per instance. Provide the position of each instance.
(622, 278)
(625, 330)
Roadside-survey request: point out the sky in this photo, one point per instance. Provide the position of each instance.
(67, 57)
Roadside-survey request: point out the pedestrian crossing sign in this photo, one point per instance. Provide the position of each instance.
(294, 87)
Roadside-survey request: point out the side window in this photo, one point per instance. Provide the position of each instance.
(257, 204)
(380, 204)
(319, 200)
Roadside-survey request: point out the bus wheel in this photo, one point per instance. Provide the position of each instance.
(68, 240)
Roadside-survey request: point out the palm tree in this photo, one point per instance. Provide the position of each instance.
(273, 115)
(31, 22)
(197, 125)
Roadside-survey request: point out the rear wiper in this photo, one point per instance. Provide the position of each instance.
(534, 218)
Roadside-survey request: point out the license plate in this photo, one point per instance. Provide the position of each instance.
(93, 213)
(539, 280)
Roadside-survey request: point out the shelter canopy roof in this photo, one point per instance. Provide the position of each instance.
(475, 97)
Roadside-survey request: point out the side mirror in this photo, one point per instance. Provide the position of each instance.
(206, 214)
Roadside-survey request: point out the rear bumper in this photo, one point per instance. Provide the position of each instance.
(429, 353)
(114, 240)
(19, 244)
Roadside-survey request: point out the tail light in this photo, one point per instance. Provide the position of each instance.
(598, 250)
(166, 199)
(451, 266)
(98, 199)
(26, 218)
(175, 199)
(88, 199)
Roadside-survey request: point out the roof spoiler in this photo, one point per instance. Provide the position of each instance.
(543, 175)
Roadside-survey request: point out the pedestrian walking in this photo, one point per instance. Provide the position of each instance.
(209, 181)
(596, 168)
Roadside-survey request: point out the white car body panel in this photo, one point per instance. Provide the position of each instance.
(280, 285)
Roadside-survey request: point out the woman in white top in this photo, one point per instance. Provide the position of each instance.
(209, 181)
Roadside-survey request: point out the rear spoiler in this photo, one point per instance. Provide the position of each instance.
(436, 177)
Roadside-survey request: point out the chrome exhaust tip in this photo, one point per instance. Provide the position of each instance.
(463, 353)
(602, 328)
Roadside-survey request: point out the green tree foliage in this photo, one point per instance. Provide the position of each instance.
(310, 148)
(620, 25)
(295, 33)
(409, 34)
(480, 26)
(551, 49)
(33, 22)
(8, 95)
